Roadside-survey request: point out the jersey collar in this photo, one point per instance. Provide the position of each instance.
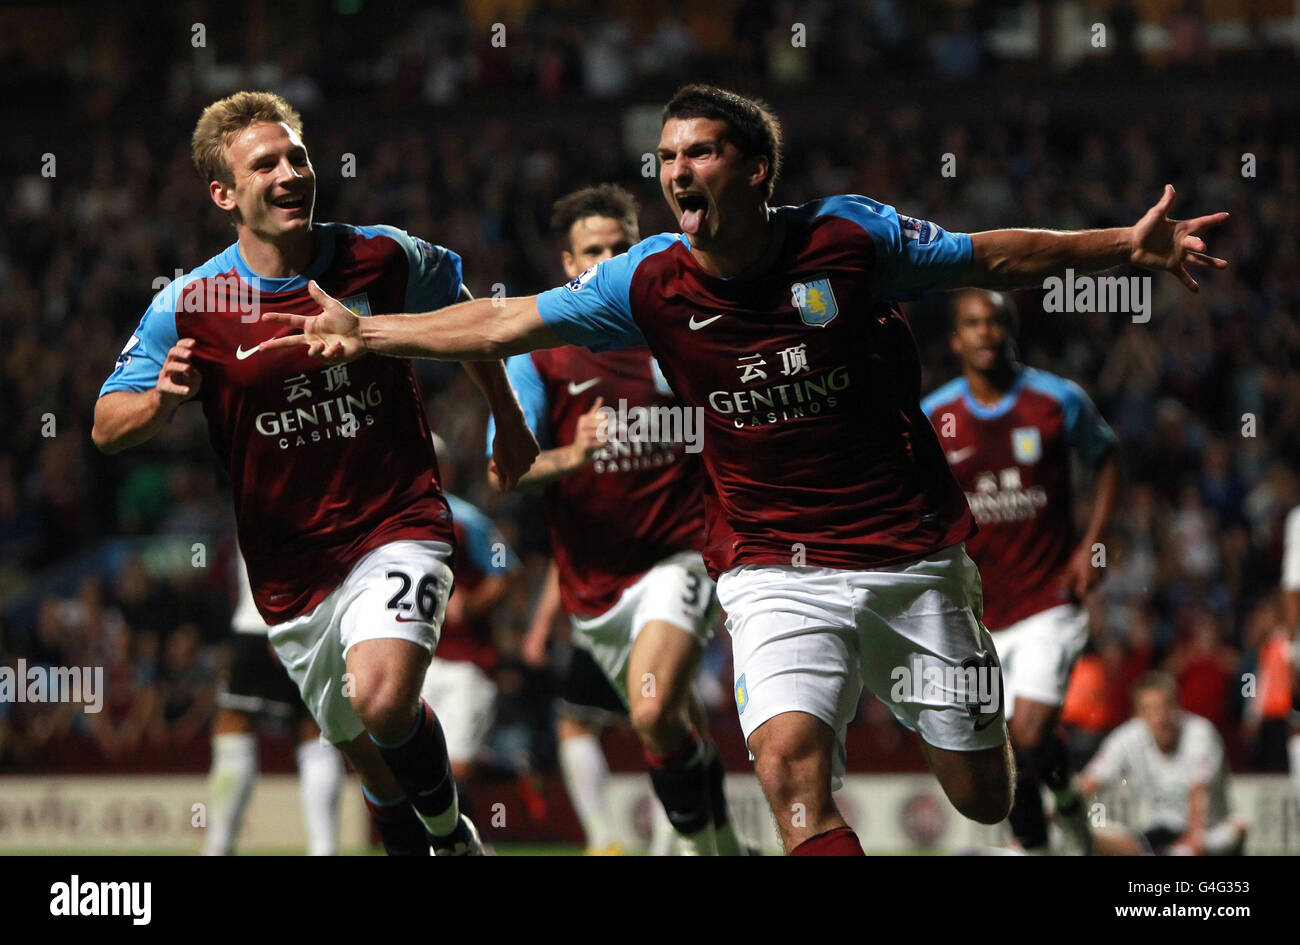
(269, 286)
(1002, 406)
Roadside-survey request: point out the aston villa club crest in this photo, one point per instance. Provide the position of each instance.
(1027, 444)
(358, 305)
(815, 301)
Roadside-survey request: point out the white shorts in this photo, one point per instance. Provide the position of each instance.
(806, 640)
(677, 590)
(465, 700)
(399, 591)
(1038, 653)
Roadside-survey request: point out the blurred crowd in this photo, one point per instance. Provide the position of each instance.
(1205, 397)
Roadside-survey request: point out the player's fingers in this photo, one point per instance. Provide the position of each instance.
(1166, 199)
(1187, 279)
(185, 343)
(284, 341)
(314, 349)
(319, 294)
(286, 318)
(1206, 222)
(1210, 262)
(595, 407)
(177, 353)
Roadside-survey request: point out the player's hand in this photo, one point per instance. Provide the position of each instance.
(533, 650)
(513, 450)
(1080, 576)
(1172, 245)
(589, 436)
(179, 379)
(334, 335)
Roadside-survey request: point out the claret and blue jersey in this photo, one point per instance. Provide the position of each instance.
(814, 442)
(1013, 460)
(326, 462)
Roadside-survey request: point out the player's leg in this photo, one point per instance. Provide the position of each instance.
(231, 778)
(1116, 840)
(320, 784)
(660, 670)
(797, 684)
(926, 655)
(586, 704)
(793, 758)
(1037, 656)
(400, 828)
(463, 699)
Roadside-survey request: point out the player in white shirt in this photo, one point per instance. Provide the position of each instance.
(1173, 765)
(1291, 614)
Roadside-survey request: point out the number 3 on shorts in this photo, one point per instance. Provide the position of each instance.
(426, 595)
(691, 596)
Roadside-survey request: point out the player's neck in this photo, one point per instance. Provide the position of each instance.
(748, 239)
(280, 259)
(989, 387)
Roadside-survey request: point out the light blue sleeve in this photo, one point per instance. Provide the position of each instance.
(434, 275)
(595, 309)
(528, 384)
(1089, 433)
(484, 545)
(912, 256)
(141, 360)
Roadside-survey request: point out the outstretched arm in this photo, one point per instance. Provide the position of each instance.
(480, 330)
(1009, 259)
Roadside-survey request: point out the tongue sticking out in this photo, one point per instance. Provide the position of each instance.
(691, 220)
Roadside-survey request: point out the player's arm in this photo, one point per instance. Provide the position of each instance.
(1080, 574)
(127, 418)
(477, 330)
(1198, 807)
(557, 463)
(1009, 259)
(545, 618)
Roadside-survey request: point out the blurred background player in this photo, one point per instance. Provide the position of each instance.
(258, 687)
(341, 520)
(1291, 620)
(626, 525)
(1176, 777)
(1009, 432)
(458, 684)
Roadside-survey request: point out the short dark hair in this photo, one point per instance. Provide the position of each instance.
(1156, 679)
(1001, 301)
(603, 200)
(751, 125)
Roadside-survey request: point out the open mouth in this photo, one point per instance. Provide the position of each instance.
(694, 207)
(290, 202)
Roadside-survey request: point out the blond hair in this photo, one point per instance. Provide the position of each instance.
(223, 119)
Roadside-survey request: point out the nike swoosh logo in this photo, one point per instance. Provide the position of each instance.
(576, 389)
(240, 353)
(956, 456)
(401, 619)
(697, 325)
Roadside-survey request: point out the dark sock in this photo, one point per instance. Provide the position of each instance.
(841, 841)
(1054, 763)
(401, 831)
(420, 764)
(681, 781)
(1027, 819)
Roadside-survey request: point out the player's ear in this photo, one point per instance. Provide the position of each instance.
(222, 195)
(759, 170)
(566, 257)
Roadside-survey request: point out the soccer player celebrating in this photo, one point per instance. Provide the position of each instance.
(626, 522)
(1009, 432)
(1176, 774)
(831, 516)
(343, 527)
(257, 686)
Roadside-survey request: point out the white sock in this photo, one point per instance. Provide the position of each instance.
(230, 782)
(320, 782)
(1293, 753)
(586, 775)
